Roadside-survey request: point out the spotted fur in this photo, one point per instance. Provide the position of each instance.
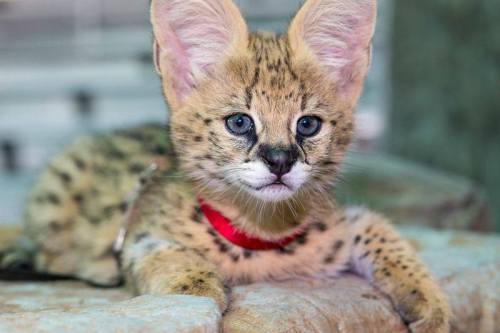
(211, 69)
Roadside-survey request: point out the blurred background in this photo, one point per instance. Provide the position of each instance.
(428, 135)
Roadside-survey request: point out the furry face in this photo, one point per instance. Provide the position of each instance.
(276, 102)
(261, 116)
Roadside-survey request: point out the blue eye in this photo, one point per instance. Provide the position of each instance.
(239, 124)
(308, 126)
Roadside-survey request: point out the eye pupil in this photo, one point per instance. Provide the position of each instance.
(239, 124)
(308, 126)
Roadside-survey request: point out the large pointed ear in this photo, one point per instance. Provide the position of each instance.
(192, 38)
(337, 35)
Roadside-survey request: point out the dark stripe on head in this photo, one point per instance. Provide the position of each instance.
(250, 88)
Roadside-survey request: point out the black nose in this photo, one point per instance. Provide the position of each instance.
(280, 161)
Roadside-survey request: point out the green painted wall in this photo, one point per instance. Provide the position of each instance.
(446, 88)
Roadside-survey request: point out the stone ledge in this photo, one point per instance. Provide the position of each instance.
(467, 266)
(141, 314)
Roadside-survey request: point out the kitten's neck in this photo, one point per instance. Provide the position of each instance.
(269, 220)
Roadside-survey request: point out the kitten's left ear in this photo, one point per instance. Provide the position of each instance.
(192, 38)
(337, 35)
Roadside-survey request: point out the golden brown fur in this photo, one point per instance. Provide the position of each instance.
(77, 207)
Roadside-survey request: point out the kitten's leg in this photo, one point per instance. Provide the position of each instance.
(161, 267)
(391, 265)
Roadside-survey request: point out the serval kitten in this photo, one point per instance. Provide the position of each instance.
(259, 126)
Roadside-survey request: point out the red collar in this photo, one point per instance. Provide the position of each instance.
(239, 237)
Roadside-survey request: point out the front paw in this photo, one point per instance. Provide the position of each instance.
(203, 284)
(424, 309)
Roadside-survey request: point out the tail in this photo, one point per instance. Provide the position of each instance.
(17, 258)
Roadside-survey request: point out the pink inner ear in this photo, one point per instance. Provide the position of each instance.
(195, 35)
(339, 35)
(178, 63)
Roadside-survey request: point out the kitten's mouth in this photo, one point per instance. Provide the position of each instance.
(269, 189)
(277, 185)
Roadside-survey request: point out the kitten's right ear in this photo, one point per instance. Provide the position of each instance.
(192, 38)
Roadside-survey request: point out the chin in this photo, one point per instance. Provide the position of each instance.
(273, 193)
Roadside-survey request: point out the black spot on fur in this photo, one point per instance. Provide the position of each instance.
(115, 153)
(79, 163)
(123, 206)
(333, 253)
(303, 103)
(141, 236)
(94, 220)
(55, 226)
(357, 239)
(338, 245)
(53, 199)
(223, 248)
(136, 168)
(198, 138)
(366, 254)
(369, 296)
(247, 254)
(210, 275)
(65, 177)
(320, 226)
(285, 251)
(78, 198)
(302, 239)
(328, 163)
(197, 215)
(328, 259)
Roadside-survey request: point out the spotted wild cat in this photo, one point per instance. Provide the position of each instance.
(237, 189)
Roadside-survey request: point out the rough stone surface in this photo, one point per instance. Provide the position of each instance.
(142, 314)
(346, 305)
(467, 266)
